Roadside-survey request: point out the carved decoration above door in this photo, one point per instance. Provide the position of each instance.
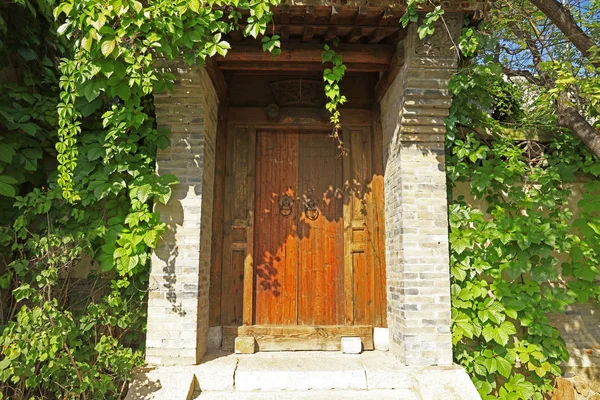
(298, 92)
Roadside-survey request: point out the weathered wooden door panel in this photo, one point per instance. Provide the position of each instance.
(238, 226)
(298, 253)
(363, 228)
(321, 247)
(276, 241)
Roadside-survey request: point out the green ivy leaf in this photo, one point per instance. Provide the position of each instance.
(194, 5)
(7, 152)
(107, 47)
(6, 189)
(503, 366)
(123, 91)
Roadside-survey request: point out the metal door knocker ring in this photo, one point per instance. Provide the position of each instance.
(312, 212)
(285, 205)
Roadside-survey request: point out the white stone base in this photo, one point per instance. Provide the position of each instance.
(381, 339)
(351, 345)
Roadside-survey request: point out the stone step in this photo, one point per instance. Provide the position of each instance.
(302, 371)
(302, 375)
(313, 395)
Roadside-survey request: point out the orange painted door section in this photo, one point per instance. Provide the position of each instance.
(298, 230)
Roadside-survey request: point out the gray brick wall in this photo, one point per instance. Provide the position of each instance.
(418, 276)
(180, 271)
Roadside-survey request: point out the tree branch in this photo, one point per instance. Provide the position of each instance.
(523, 73)
(563, 19)
(569, 117)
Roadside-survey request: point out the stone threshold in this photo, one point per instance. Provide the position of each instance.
(301, 375)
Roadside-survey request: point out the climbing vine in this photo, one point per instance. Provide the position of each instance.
(115, 45)
(332, 77)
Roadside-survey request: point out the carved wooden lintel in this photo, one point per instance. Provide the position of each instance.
(298, 92)
(296, 117)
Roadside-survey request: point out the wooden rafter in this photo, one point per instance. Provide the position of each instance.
(354, 35)
(377, 35)
(308, 34)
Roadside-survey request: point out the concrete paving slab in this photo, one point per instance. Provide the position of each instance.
(384, 372)
(164, 383)
(313, 395)
(445, 383)
(216, 372)
(296, 371)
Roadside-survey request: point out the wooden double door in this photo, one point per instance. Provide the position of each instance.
(298, 231)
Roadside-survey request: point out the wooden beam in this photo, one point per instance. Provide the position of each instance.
(392, 72)
(331, 34)
(299, 29)
(296, 117)
(309, 17)
(248, 297)
(389, 18)
(298, 66)
(335, 14)
(298, 337)
(285, 14)
(362, 15)
(308, 34)
(355, 35)
(284, 33)
(397, 36)
(217, 78)
(236, 36)
(367, 57)
(377, 35)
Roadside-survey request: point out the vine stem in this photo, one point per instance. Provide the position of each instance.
(74, 364)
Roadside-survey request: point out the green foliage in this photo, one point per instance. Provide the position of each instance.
(505, 260)
(508, 256)
(332, 77)
(521, 249)
(426, 22)
(62, 336)
(115, 43)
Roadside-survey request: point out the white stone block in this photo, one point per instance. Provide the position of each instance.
(245, 345)
(381, 339)
(215, 338)
(351, 345)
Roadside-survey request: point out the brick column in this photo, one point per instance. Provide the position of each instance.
(180, 272)
(416, 224)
